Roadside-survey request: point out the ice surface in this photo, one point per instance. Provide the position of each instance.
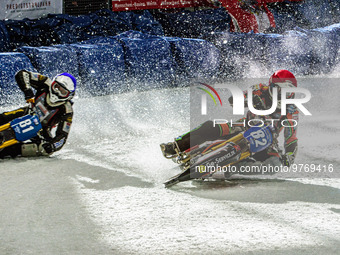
(103, 192)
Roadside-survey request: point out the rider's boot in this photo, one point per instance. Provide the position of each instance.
(169, 149)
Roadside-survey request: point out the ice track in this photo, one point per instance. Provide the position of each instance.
(103, 193)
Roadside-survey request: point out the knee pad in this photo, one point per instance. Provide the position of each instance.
(32, 150)
(29, 150)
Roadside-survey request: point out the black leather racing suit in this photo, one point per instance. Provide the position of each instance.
(56, 119)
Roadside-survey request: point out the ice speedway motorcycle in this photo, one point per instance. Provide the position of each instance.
(203, 160)
(20, 129)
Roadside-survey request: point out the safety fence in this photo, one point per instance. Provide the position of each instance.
(304, 52)
(106, 63)
(66, 29)
(120, 63)
(131, 60)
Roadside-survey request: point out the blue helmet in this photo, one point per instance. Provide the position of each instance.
(63, 88)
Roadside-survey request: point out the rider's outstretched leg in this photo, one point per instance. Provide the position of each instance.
(205, 132)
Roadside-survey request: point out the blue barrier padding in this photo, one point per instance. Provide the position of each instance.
(32, 32)
(196, 58)
(10, 64)
(101, 40)
(250, 44)
(194, 24)
(227, 43)
(233, 45)
(132, 34)
(146, 23)
(290, 51)
(108, 23)
(316, 13)
(68, 33)
(285, 21)
(101, 67)
(4, 37)
(236, 44)
(210, 20)
(67, 29)
(149, 61)
(325, 45)
(82, 20)
(335, 7)
(335, 29)
(170, 23)
(17, 30)
(71, 29)
(112, 23)
(298, 50)
(105, 58)
(51, 61)
(104, 26)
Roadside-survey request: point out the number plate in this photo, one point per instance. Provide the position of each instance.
(26, 127)
(259, 138)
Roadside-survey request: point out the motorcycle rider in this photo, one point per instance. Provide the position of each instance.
(262, 100)
(53, 106)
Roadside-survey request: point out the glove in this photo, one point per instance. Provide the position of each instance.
(28, 94)
(30, 100)
(287, 159)
(48, 147)
(23, 78)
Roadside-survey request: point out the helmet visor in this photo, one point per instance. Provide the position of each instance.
(279, 86)
(59, 90)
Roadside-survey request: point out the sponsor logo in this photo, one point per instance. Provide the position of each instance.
(239, 100)
(204, 98)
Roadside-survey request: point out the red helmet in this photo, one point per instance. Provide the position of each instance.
(282, 77)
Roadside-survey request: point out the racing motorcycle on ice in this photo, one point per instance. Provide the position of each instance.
(20, 129)
(203, 160)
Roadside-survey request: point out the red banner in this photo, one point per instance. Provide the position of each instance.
(127, 5)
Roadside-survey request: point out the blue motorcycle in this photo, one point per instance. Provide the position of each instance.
(19, 130)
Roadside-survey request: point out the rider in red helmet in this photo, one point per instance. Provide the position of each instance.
(283, 76)
(262, 100)
(283, 79)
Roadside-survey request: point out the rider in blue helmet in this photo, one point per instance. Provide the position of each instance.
(53, 105)
(62, 89)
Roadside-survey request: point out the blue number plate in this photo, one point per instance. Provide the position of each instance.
(26, 127)
(259, 138)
